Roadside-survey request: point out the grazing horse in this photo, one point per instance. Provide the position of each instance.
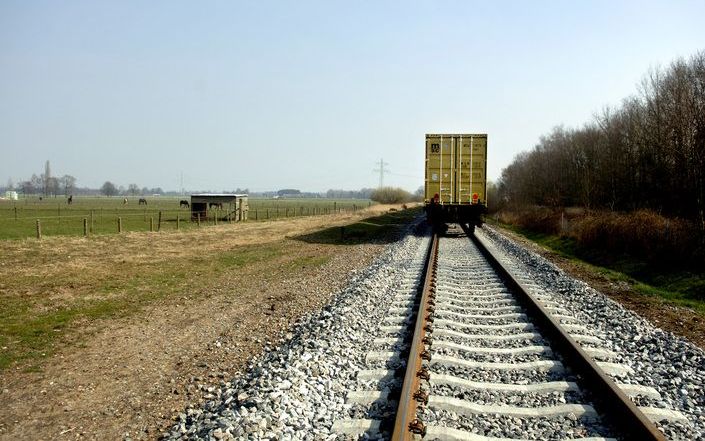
(183, 203)
(70, 200)
(142, 201)
(218, 205)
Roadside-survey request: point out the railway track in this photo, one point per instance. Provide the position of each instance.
(471, 344)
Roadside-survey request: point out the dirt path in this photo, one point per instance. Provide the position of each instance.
(681, 321)
(128, 377)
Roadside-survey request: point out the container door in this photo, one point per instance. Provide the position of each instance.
(464, 159)
(454, 176)
(439, 160)
(478, 166)
(433, 150)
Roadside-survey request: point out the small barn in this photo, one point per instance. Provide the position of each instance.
(224, 206)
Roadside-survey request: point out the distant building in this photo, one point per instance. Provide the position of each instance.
(12, 195)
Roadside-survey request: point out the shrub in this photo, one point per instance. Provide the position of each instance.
(390, 195)
(536, 219)
(644, 234)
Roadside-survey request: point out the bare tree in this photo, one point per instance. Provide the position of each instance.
(37, 184)
(27, 187)
(68, 183)
(647, 153)
(133, 189)
(109, 189)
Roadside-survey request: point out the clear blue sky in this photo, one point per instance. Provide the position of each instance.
(306, 94)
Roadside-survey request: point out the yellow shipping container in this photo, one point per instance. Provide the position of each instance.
(456, 169)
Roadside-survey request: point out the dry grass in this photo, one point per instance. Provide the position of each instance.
(658, 256)
(643, 233)
(649, 236)
(51, 289)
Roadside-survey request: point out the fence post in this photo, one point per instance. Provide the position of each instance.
(256, 216)
(335, 206)
(215, 218)
(177, 221)
(198, 216)
(151, 223)
(39, 229)
(267, 213)
(15, 212)
(159, 223)
(85, 227)
(119, 224)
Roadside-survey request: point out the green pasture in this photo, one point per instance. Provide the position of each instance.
(18, 219)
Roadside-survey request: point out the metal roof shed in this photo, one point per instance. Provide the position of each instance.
(225, 206)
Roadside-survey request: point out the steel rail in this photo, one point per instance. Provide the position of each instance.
(406, 423)
(621, 411)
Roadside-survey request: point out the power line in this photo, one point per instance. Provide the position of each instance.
(381, 171)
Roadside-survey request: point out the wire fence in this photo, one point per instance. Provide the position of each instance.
(37, 220)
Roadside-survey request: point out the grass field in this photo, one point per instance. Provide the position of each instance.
(18, 219)
(61, 288)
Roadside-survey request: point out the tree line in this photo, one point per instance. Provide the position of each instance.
(648, 153)
(45, 184)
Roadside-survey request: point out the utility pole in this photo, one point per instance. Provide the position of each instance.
(381, 171)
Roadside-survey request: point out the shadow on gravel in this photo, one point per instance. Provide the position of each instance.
(386, 228)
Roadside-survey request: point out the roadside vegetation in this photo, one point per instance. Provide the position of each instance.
(626, 248)
(626, 191)
(391, 195)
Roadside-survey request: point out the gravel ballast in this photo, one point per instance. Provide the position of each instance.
(298, 389)
(488, 414)
(670, 364)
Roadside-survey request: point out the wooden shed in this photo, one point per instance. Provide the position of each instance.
(224, 206)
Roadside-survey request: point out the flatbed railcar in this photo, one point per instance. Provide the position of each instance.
(455, 187)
